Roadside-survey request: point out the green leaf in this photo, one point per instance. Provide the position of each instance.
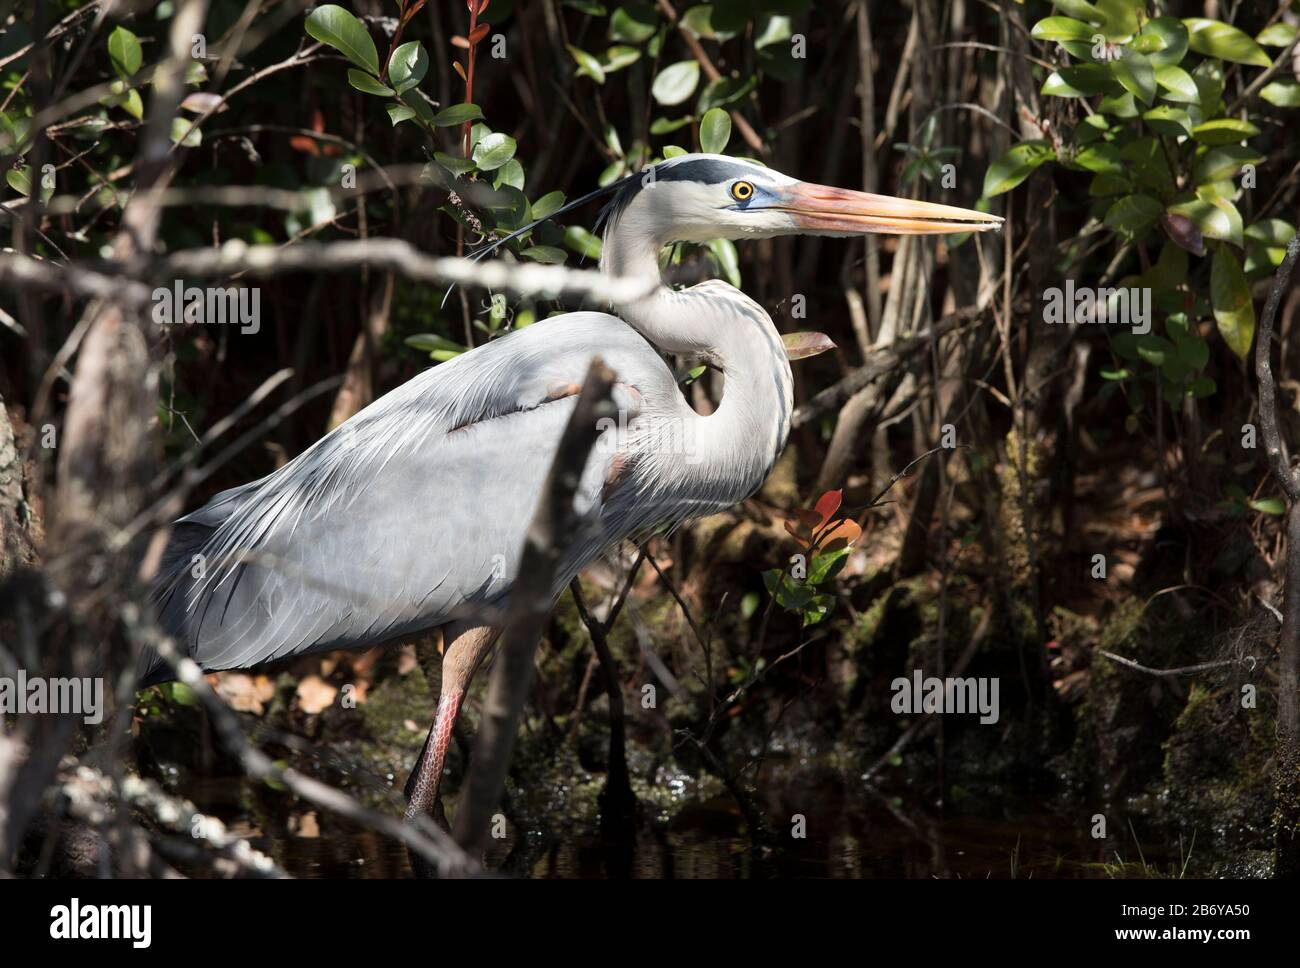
(493, 151)
(1136, 74)
(1062, 28)
(1269, 505)
(1081, 80)
(1223, 162)
(673, 151)
(186, 132)
(455, 165)
(397, 113)
(1234, 313)
(125, 53)
(1271, 231)
(699, 21)
(666, 125)
(1277, 35)
(1015, 166)
(338, 28)
(774, 30)
(618, 57)
(1222, 131)
(548, 205)
(1103, 158)
(581, 241)
(715, 131)
(1284, 93)
(366, 84)
(20, 179)
(1165, 120)
(1178, 84)
(676, 82)
(432, 343)
(587, 65)
(408, 66)
(633, 23)
(1119, 17)
(1217, 218)
(726, 90)
(728, 260)
(1163, 40)
(1079, 10)
(1133, 215)
(511, 173)
(1214, 38)
(457, 114)
(546, 254)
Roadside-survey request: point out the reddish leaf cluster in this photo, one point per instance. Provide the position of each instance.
(818, 530)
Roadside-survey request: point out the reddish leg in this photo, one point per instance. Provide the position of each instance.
(460, 659)
(422, 787)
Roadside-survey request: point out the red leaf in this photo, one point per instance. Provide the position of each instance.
(828, 504)
(810, 519)
(308, 146)
(459, 70)
(318, 121)
(459, 41)
(798, 530)
(846, 531)
(478, 33)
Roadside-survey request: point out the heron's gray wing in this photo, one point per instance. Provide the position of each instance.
(407, 516)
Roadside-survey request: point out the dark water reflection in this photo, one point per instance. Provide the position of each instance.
(850, 833)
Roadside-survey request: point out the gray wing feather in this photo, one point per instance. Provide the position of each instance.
(412, 513)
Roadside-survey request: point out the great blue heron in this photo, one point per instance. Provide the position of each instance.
(412, 514)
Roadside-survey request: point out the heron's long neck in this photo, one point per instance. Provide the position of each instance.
(732, 332)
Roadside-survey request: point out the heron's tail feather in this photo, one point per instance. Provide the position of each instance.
(169, 594)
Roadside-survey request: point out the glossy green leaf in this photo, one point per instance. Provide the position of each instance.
(1136, 74)
(1169, 121)
(588, 65)
(1222, 131)
(1132, 216)
(124, 52)
(1015, 166)
(457, 114)
(1062, 28)
(548, 205)
(1285, 93)
(618, 57)
(1214, 38)
(408, 66)
(1234, 313)
(338, 28)
(1177, 84)
(397, 113)
(366, 84)
(676, 82)
(1224, 161)
(633, 23)
(493, 151)
(1163, 40)
(1279, 34)
(715, 131)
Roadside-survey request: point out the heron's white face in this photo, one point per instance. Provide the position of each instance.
(695, 198)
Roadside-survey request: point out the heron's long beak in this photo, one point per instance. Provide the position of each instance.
(821, 209)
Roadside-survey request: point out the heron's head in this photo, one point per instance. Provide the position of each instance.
(694, 198)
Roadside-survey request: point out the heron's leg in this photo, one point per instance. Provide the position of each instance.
(461, 658)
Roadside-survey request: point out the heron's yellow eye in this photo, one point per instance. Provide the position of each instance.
(742, 191)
